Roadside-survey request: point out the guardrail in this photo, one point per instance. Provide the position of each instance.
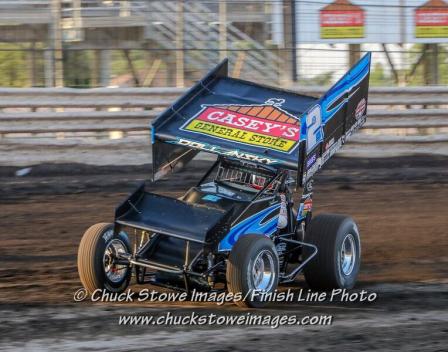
(402, 117)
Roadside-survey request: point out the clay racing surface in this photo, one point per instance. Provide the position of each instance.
(400, 205)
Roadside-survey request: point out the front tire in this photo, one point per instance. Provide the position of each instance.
(338, 259)
(252, 265)
(96, 252)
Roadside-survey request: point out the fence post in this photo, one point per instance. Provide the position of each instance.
(180, 45)
(32, 65)
(222, 29)
(56, 43)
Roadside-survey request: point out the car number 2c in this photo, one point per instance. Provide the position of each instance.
(313, 128)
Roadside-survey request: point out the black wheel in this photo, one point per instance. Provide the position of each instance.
(252, 265)
(97, 250)
(337, 262)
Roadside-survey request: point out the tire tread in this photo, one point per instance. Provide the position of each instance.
(86, 256)
(237, 264)
(320, 273)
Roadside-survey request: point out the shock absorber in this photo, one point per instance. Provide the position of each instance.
(281, 249)
(282, 221)
(211, 275)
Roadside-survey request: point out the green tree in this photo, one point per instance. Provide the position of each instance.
(13, 65)
(77, 71)
(378, 76)
(418, 76)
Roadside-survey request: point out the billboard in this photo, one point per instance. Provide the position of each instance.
(341, 19)
(371, 21)
(431, 20)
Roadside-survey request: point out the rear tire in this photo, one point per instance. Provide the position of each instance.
(252, 265)
(338, 259)
(95, 268)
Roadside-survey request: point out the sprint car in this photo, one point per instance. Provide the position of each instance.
(239, 229)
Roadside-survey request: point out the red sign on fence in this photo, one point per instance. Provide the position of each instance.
(431, 20)
(341, 19)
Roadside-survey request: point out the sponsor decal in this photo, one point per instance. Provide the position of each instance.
(341, 19)
(332, 150)
(267, 125)
(329, 143)
(312, 170)
(226, 152)
(360, 108)
(309, 186)
(311, 160)
(307, 206)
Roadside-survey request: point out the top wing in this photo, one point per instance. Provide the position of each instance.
(230, 117)
(260, 124)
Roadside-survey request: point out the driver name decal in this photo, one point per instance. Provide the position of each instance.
(266, 126)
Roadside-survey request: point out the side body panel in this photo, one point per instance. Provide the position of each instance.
(259, 218)
(335, 116)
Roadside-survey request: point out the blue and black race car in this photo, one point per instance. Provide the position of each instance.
(238, 229)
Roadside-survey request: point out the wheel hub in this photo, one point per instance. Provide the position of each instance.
(114, 272)
(348, 254)
(263, 271)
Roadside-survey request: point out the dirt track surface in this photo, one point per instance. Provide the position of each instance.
(400, 205)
